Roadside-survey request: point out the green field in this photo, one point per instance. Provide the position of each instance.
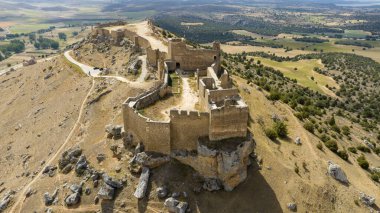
(28, 28)
(356, 33)
(303, 74)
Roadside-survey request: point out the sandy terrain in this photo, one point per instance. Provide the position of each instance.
(37, 115)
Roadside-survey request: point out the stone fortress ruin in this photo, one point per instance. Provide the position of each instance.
(214, 139)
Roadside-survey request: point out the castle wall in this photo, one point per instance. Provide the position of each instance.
(152, 57)
(228, 122)
(135, 124)
(158, 137)
(221, 94)
(191, 59)
(186, 128)
(204, 85)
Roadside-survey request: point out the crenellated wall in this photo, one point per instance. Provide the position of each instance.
(228, 121)
(186, 128)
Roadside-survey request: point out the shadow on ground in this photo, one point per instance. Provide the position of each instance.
(253, 195)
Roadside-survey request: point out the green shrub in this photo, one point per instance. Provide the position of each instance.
(320, 146)
(363, 148)
(309, 126)
(325, 138)
(377, 150)
(375, 177)
(352, 149)
(343, 154)
(362, 161)
(271, 134)
(346, 130)
(281, 129)
(332, 145)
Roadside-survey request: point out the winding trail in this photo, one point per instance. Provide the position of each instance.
(90, 71)
(21, 197)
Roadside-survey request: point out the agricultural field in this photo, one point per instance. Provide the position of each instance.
(303, 72)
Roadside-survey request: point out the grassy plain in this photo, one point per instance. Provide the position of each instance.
(303, 72)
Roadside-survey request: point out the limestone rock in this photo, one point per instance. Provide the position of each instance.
(76, 188)
(143, 183)
(113, 183)
(175, 206)
(211, 184)
(106, 192)
(292, 207)
(143, 159)
(48, 200)
(114, 131)
(298, 141)
(139, 148)
(369, 144)
(162, 192)
(72, 199)
(6, 200)
(101, 157)
(81, 165)
(336, 172)
(366, 199)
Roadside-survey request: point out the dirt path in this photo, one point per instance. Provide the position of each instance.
(188, 96)
(90, 71)
(21, 196)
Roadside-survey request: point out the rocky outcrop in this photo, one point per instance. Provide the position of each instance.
(336, 172)
(106, 192)
(175, 206)
(225, 161)
(149, 160)
(366, 199)
(72, 199)
(114, 131)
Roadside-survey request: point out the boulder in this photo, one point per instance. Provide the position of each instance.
(76, 188)
(106, 192)
(48, 200)
(212, 184)
(114, 131)
(143, 183)
(113, 183)
(49, 170)
(72, 199)
(292, 207)
(81, 165)
(67, 169)
(369, 144)
(175, 206)
(366, 199)
(336, 172)
(298, 141)
(162, 192)
(4, 202)
(100, 157)
(139, 148)
(145, 160)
